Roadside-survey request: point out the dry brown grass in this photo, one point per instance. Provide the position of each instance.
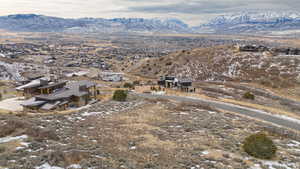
(139, 126)
(184, 105)
(143, 128)
(287, 92)
(5, 112)
(151, 141)
(42, 134)
(198, 94)
(12, 126)
(18, 126)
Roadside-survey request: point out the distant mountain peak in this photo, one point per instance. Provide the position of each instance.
(41, 23)
(254, 17)
(23, 16)
(253, 21)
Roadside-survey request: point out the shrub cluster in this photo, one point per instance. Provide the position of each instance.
(2, 149)
(136, 83)
(38, 134)
(260, 146)
(128, 85)
(249, 96)
(120, 95)
(155, 89)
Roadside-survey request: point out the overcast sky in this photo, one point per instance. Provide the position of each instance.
(191, 11)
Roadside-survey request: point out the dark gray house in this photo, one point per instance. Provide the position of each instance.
(185, 85)
(60, 96)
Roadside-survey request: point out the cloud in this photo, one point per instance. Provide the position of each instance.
(214, 6)
(199, 11)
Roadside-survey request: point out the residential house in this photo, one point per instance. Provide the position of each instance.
(61, 95)
(252, 48)
(111, 76)
(33, 87)
(185, 85)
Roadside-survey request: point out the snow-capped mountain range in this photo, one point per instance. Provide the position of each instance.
(255, 17)
(41, 23)
(252, 22)
(243, 22)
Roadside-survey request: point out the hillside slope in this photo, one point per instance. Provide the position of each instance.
(225, 63)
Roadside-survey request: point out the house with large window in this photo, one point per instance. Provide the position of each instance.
(61, 95)
(184, 85)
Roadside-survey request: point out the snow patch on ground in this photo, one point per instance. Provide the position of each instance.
(9, 139)
(159, 92)
(294, 144)
(23, 146)
(212, 112)
(74, 166)
(81, 108)
(91, 113)
(275, 165)
(47, 166)
(205, 152)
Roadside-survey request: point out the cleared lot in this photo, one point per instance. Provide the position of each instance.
(13, 104)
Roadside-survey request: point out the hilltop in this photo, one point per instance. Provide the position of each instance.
(225, 63)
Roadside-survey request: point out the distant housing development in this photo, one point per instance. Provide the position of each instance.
(261, 48)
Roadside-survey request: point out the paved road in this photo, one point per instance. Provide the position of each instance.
(257, 114)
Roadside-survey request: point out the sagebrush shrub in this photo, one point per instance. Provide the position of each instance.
(249, 95)
(260, 146)
(128, 85)
(120, 95)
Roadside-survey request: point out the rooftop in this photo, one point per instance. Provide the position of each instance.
(53, 85)
(72, 89)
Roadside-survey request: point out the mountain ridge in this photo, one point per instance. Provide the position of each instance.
(269, 22)
(252, 22)
(41, 23)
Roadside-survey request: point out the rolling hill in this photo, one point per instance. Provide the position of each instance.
(225, 63)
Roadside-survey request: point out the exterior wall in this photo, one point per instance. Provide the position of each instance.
(82, 101)
(62, 107)
(50, 89)
(79, 101)
(30, 92)
(92, 92)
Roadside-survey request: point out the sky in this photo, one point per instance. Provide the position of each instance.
(193, 12)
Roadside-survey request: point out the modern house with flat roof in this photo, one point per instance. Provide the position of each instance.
(61, 95)
(184, 85)
(32, 88)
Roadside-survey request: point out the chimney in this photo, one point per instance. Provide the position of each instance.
(43, 82)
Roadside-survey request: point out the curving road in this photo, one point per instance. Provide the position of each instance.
(283, 121)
